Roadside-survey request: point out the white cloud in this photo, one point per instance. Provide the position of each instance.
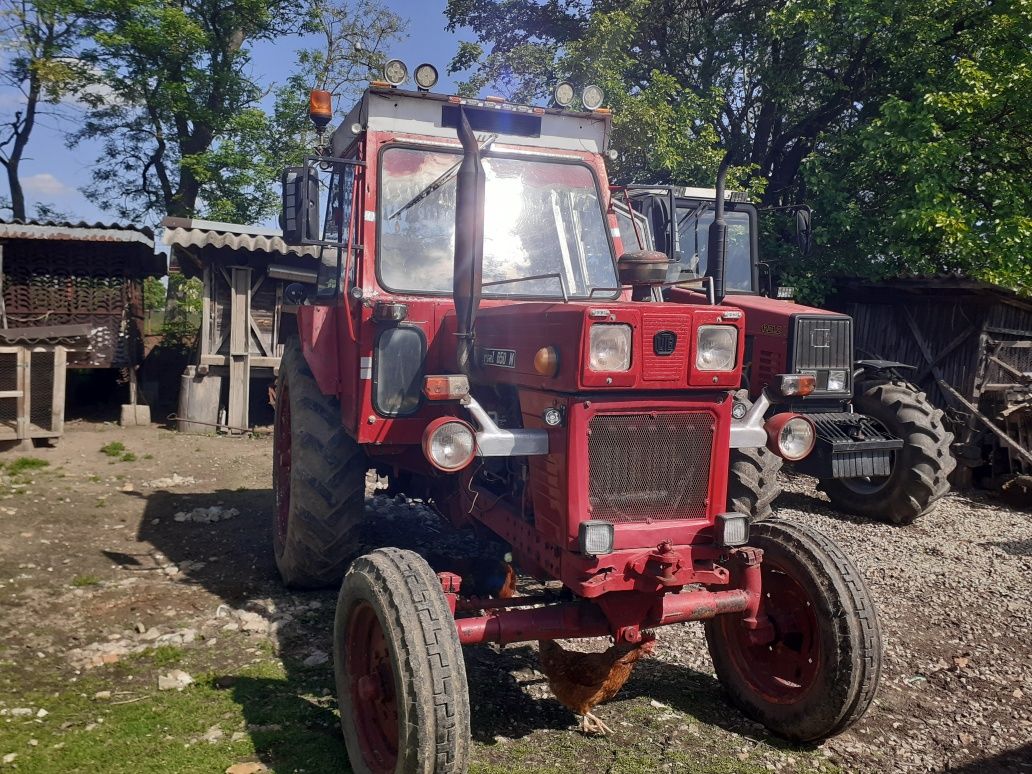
(45, 184)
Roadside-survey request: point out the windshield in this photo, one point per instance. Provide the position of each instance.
(693, 235)
(540, 218)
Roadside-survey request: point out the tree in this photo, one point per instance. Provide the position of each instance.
(41, 39)
(940, 182)
(183, 122)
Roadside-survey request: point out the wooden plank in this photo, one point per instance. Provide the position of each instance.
(277, 320)
(257, 361)
(239, 347)
(988, 423)
(24, 384)
(960, 339)
(57, 406)
(206, 322)
(10, 393)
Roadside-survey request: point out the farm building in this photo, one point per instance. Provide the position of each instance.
(71, 298)
(244, 319)
(971, 345)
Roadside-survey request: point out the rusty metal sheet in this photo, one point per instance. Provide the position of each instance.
(80, 231)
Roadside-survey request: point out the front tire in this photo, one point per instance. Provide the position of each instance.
(920, 470)
(318, 480)
(820, 672)
(400, 675)
(752, 483)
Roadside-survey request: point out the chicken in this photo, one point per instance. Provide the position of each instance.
(482, 576)
(581, 681)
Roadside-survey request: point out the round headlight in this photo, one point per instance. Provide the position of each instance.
(609, 347)
(449, 444)
(564, 94)
(795, 438)
(426, 76)
(395, 72)
(592, 97)
(546, 361)
(717, 347)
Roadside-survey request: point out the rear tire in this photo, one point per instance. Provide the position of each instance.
(400, 675)
(752, 484)
(920, 470)
(820, 672)
(318, 480)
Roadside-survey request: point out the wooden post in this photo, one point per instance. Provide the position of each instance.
(25, 399)
(57, 406)
(240, 347)
(206, 321)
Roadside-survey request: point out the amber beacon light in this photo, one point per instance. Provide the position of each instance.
(320, 109)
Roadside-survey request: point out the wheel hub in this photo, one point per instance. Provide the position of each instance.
(371, 683)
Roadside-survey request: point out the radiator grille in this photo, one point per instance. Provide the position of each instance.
(824, 342)
(644, 466)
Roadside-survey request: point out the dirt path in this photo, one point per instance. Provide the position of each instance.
(103, 592)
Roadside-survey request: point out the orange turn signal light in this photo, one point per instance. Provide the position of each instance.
(791, 385)
(445, 387)
(546, 361)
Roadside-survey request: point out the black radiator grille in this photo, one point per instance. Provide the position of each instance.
(649, 466)
(823, 344)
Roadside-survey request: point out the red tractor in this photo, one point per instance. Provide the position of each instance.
(883, 450)
(473, 335)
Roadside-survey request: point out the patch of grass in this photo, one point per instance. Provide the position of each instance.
(148, 456)
(95, 479)
(24, 465)
(80, 581)
(101, 503)
(113, 449)
(128, 457)
(165, 655)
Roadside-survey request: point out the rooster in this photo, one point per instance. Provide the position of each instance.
(581, 681)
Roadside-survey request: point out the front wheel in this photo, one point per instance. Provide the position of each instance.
(819, 673)
(401, 679)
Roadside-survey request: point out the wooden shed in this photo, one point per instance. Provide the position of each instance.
(72, 296)
(971, 345)
(243, 321)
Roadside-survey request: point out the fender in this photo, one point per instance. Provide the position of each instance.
(872, 367)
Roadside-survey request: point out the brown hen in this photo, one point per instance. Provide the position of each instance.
(582, 681)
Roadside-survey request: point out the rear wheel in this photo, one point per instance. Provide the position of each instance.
(920, 470)
(318, 480)
(401, 679)
(819, 673)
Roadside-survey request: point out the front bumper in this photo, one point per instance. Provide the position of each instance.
(849, 446)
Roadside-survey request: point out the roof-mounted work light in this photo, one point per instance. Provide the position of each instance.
(426, 76)
(563, 94)
(592, 97)
(395, 72)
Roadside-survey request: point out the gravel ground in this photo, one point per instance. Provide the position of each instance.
(112, 559)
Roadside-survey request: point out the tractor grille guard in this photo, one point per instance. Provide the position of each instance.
(649, 466)
(821, 344)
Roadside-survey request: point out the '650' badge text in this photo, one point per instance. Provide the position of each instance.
(504, 358)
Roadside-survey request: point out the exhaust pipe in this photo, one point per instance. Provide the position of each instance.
(718, 236)
(469, 244)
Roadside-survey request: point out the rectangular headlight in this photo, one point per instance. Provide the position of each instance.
(716, 348)
(596, 538)
(731, 529)
(836, 381)
(610, 347)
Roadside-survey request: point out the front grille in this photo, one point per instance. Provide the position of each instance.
(822, 344)
(649, 466)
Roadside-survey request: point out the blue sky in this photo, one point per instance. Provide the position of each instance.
(52, 173)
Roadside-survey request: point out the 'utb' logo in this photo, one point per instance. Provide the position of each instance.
(664, 343)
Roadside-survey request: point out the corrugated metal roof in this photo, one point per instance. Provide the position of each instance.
(76, 232)
(188, 232)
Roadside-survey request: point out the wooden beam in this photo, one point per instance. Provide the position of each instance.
(960, 339)
(57, 406)
(239, 347)
(257, 361)
(206, 321)
(1006, 439)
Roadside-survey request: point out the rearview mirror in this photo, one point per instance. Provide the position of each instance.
(804, 229)
(300, 217)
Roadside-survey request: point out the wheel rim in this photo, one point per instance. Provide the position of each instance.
(370, 682)
(283, 450)
(784, 670)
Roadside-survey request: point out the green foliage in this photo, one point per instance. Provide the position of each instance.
(113, 449)
(153, 294)
(905, 123)
(183, 318)
(186, 127)
(24, 465)
(81, 581)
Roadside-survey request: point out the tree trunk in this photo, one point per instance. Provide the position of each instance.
(22, 131)
(17, 195)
